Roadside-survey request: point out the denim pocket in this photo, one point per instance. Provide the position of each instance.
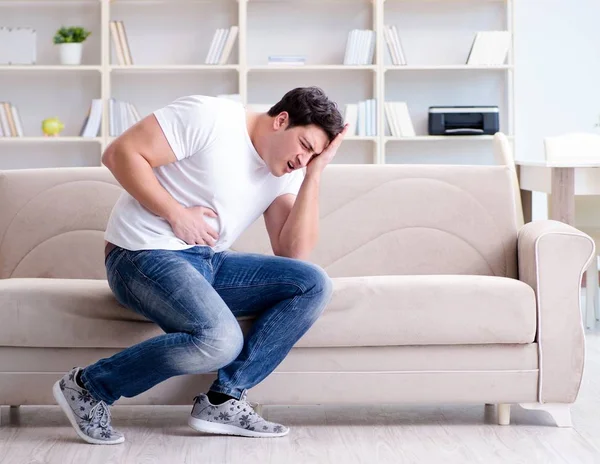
(113, 258)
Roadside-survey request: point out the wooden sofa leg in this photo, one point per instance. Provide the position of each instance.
(504, 414)
(560, 412)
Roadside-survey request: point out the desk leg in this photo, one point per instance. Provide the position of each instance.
(526, 199)
(562, 199)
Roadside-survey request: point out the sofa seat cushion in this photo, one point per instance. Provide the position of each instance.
(364, 311)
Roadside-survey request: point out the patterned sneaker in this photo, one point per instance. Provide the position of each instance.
(232, 418)
(89, 418)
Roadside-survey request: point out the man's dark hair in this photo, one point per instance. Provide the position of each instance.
(310, 105)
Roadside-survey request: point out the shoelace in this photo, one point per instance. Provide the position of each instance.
(101, 414)
(249, 404)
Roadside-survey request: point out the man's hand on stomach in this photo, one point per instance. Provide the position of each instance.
(189, 225)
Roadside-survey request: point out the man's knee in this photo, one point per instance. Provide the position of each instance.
(216, 347)
(315, 280)
(318, 288)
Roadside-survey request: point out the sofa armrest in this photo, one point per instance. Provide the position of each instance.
(552, 259)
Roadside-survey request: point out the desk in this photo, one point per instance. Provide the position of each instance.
(563, 180)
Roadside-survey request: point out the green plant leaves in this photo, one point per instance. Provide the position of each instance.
(71, 35)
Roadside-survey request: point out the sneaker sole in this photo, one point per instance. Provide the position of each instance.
(224, 429)
(62, 402)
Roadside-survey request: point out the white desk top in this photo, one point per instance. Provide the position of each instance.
(559, 164)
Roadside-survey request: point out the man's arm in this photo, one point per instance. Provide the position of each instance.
(293, 222)
(132, 157)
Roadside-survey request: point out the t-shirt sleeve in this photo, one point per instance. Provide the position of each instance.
(188, 124)
(293, 183)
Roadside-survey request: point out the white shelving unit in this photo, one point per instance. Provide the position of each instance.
(169, 40)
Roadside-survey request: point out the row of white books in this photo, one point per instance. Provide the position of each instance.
(221, 45)
(360, 47)
(10, 121)
(489, 48)
(398, 119)
(394, 45)
(361, 118)
(123, 115)
(18, 45)
(120, 43)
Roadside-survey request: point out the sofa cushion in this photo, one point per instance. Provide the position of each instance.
(364, 311)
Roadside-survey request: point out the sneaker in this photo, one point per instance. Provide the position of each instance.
(89, 418)
(232, 418)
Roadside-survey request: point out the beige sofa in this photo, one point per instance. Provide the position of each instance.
(441, 296)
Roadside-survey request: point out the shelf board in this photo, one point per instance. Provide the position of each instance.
(324, 67)
(46, 68)
(173, 68)
(58, 139)
(450, 67)
(439, 138)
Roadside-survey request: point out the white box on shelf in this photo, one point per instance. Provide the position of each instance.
(18, 45)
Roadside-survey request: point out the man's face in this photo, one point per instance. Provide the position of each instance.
(291, 149)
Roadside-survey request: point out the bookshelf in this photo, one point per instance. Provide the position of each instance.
(169, 41)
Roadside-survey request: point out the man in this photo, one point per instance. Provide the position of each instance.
(196, 173)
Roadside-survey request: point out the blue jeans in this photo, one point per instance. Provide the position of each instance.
(195, 295)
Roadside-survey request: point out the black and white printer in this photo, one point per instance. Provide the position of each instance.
(463, 120)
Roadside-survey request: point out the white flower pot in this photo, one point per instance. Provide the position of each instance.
(70, 53)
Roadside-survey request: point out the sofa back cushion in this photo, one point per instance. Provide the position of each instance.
(375, 220)
(411, 220)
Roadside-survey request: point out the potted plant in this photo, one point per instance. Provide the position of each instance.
(70, 40)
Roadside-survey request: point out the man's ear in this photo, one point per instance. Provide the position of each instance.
(281, 120)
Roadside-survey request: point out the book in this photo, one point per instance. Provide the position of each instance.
(93, 120)
(4, 121)
(116, 41)
(124, 43)
(228, 47)
(360, 47)
(213, 45)
(351, 118)
(394, 45)
(489, 48)
(10, 120)
(398, 119)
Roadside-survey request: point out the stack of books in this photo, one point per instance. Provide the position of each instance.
(221, 45)
(398, 119)
(287, 60)
(93, 120)
(120, 43)
(394, 46)
(123, 115)
(361, 118)
(10, 121)
(360, 47)
(489, 48)
(17, 45)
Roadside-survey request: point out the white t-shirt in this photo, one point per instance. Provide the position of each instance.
(217, 167)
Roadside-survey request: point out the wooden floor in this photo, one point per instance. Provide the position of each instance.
(340, 435)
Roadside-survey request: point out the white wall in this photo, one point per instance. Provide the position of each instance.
(557, 80)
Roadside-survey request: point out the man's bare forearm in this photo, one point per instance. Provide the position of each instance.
(136, 176)
(300, 232)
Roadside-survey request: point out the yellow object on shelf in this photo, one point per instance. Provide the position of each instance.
(52, 126)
